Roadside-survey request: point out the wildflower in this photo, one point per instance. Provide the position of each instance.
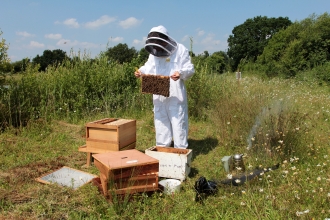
(243, 203)
(237, 181)
(250, 166)
(321, 189)
(261, 190)
(228, 123)
(229, 176)
(285, 171)
(253, 139)
(285, 161)
(318, 178)
(243, 192)
(329, 194)
(293, 168)
(301, 213)
(297, 129)
(280, 141)
(318, 165)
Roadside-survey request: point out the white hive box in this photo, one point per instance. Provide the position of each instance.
(174, 163)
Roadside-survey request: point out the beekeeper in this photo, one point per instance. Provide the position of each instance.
(169, 58)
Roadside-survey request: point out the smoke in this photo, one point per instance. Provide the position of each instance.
(273, 110)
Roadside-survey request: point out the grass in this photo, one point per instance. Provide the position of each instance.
(269, 121)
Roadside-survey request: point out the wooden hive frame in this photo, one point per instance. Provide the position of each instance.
(155, 84)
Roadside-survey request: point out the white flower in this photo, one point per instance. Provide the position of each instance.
(229, 176)
(243, 203)
(280, 141)
(237, 181)
(261, 190)
(318, 178)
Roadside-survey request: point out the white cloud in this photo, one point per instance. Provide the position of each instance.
(71, 22)
(69, 44)
(140, 42)
(200, 33)
(105, 19)
(209, 40)
(24, 34)
(116, 39)
(53, 36)
(130, 22)
(34, 44)
(137, 42)
(185, 38)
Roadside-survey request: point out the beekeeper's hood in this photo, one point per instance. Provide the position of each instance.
(159, 43)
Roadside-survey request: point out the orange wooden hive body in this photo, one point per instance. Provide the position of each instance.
(109, 134)
(127, 172)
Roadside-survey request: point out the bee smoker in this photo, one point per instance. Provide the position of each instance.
(238, 164)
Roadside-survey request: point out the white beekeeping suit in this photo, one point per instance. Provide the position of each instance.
(169, 58)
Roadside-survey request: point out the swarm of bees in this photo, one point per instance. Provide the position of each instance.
(156, 84)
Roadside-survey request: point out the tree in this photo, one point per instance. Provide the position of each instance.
(49, 57)
(218, 62)
(20, 66)
(143, 56)
(249, 39)
(4, 60)
(303, 45)
(121, 53)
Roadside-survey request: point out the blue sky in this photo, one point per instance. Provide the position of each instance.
(30, 27)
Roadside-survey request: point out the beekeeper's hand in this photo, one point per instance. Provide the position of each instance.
(137, 73)
(175, 76)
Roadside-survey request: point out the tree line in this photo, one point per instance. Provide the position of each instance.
(274, 46)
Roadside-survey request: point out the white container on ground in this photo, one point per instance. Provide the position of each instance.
(170, 186)
(173, 162)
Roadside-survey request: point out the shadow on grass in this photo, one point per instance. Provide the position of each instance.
(202, 146)
(198, 147)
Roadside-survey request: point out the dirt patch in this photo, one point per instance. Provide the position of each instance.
(24, 174)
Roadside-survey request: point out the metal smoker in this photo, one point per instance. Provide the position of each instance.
(238, 164)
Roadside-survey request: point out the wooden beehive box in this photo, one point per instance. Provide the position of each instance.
(110, 134)
(127, 172)
(173, 162)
